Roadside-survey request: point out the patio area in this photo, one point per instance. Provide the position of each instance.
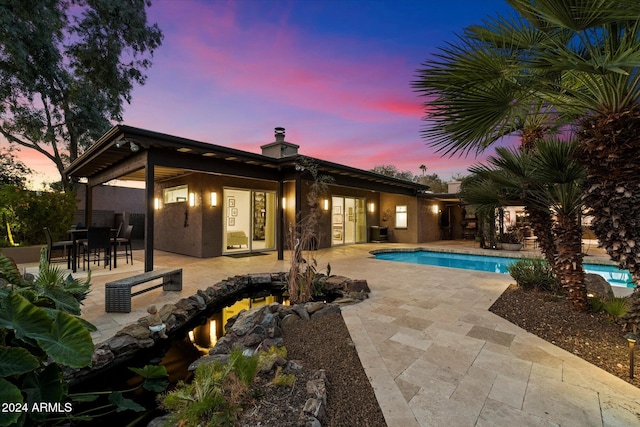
(433, 352)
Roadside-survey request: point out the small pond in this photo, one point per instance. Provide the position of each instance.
(185, 345)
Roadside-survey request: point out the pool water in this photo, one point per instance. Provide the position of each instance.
(495, 264)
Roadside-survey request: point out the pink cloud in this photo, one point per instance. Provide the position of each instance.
(279, 63)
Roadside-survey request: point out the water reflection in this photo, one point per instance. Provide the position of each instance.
(200, 339)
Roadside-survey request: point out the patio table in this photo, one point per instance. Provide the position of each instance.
(81, 233)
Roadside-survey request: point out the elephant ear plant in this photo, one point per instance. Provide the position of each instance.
(39, 332)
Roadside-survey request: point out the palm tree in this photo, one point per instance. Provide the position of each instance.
(547, 180)
(559, 187)
(578, 61)
(511, 177)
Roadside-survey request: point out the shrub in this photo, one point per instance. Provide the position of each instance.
(512, 235)
(533, 273)
(213, 396)
(596, 303)
(616, 307)
(39, 333)
(283, 380)
(25, 213)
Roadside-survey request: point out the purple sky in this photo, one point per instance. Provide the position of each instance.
(335, 73)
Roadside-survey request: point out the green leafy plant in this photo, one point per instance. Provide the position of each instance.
(39, 333)
(512, 235)
(283, 380)
(214, 395)
(533, 273)
(24, 213)
(101, 403)
(616, 307)
(596, 303)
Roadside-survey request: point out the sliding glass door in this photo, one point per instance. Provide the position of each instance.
(348, 220)
(249, 220)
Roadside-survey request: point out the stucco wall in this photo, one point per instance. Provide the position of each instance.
(113, 198)
(197, 230)
(388, 203)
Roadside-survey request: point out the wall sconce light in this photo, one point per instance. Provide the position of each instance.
(192, 199)
(284, 203)
(434, 209)
(372, 207)
(325, 204)
(214, 198)
(133, 147)
(156, 203)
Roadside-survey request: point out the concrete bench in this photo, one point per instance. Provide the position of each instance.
(118, 293)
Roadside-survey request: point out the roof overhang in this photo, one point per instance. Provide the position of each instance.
(111, 157)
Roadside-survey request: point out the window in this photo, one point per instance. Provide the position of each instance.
(401, 216)
(176, 194)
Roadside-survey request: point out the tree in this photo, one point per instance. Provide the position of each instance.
(579, 59)
(548, 181)
(12, 170)
(66, 70)
(434, 182)
(392, 171)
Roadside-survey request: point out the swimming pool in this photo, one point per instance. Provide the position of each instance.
(494, 264)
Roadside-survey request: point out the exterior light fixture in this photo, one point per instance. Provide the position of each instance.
(192, 199)
(132, 145)
(214, 198)
(631, 339)
(325, 204)
(434, 209)
(156, 203)
(284, 203)
(372, 207)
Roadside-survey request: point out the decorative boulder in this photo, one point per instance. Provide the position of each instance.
(597, 285)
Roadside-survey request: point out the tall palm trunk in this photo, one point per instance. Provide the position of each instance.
(541, 222)
(568, 232)
(610, 147)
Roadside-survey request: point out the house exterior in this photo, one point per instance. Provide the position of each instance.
(207, 200)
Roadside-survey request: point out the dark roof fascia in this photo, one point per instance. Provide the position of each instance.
(92, 152)
(442, 195)
(147, 138)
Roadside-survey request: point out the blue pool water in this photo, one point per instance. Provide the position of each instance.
(495, 264)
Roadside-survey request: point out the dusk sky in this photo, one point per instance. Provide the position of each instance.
(335, 73)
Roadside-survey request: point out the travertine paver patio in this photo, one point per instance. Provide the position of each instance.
(434, 354)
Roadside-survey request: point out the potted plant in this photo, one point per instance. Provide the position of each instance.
(511, 240)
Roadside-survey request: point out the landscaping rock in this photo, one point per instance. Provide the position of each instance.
(312, 307)
(301, 311)
(327, 309)
(597, 285)
(101, 357)
(124, 345)
(136, 330)
(358, 286)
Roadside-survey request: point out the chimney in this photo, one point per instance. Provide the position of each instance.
(280, 148)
